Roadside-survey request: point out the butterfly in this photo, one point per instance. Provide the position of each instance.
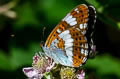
(70, 42)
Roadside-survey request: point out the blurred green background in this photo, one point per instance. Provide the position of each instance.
(21, 30)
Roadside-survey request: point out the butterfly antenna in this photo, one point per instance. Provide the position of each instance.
(44, 32)
(43, 36)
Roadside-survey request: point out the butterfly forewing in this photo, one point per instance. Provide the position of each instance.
(74, 18)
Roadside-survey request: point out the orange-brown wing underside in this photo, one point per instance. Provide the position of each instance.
(81, 15)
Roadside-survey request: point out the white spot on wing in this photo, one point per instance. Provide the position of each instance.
(86, 52)
(68, 18)
(86, 45)
(71, 20)
(67, 36)
(68, 43)
(85, 38)
(84, 59)
(58, 30)
(85, 25)
(73, 23)
(63, 33)
(81, 26)
(69, 40)
(68, 46)
(83, 32)
(82, 51)
(69, 53)
(76, 9)
(78, 29)
(82, 45)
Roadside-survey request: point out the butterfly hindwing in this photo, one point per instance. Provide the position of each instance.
(80, 47)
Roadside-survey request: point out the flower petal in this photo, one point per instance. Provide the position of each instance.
(29, 72)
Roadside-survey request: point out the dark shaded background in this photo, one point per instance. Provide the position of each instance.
(21, 31)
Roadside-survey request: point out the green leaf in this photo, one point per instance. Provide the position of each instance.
(4, 61)
(22, 57)
(25, 16)
(105, 64)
